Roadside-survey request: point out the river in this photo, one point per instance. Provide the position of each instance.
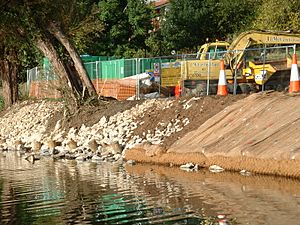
(69, 192)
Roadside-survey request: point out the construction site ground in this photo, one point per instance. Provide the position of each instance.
(201, 110)
(257, 133)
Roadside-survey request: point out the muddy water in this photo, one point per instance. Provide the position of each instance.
(66, 192)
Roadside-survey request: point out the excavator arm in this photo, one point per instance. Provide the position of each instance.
(246, 39)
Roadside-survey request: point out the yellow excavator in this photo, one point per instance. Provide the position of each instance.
(249, 61)
(272, 66)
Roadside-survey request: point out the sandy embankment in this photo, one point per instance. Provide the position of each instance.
(259, 133)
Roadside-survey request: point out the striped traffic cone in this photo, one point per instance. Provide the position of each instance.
(294, 79)
(222, 85)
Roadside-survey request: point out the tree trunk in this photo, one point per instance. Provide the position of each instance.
(56, 31)
(8, 73)
(5, 75)
(68, 82)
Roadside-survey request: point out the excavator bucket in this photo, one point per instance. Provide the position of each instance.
(260, 73)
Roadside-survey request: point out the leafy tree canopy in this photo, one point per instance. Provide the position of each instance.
(278, 15)
(126, 27)
(189, 22)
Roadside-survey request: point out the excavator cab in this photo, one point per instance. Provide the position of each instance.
(213, 50)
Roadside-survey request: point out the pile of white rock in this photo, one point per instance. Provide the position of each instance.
(25, 130)
(26, 123)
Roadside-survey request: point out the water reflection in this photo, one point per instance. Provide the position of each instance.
(247, 200)
(67, 192)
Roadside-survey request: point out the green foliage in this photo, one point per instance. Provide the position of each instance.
(190, 22)
(82, 23)
(278, 15)
(157, 44)
(184, 24)
(232, 16)
(126, 27)
(15, 47)
(20, 24)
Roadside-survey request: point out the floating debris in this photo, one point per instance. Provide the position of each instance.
(215, 169)
(245, 173)
(189, 167)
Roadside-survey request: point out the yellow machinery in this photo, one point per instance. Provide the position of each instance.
(246, 70)
(173, 72)
(264, 69)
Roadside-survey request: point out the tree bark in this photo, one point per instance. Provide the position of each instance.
(8, 74)
(5, 75)
(69, 84)
(57, 32)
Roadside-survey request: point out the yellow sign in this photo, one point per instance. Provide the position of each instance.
(170, 74)
(202, 70)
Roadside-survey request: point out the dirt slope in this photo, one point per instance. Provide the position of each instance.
(197, 110)
(258, 126)
(259, 133)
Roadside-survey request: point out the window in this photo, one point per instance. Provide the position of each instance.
(216, 52)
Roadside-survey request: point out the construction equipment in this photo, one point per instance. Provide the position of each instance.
(243, 67)
(266, 69)
(216, 48)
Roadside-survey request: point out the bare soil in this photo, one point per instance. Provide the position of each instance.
(259, 133)
(90, 114)
(201, 109)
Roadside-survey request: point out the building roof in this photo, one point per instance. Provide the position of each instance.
(160, 3)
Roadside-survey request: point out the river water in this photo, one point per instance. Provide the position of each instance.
(68, 192)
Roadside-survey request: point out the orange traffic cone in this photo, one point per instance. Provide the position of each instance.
(177, 90)
(222, 85)
(294, 79)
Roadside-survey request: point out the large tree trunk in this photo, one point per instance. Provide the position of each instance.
(69, 83)
(8, 73)
(7, 92)
(57, 32)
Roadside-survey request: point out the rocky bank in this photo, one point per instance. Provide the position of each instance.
(256, 134)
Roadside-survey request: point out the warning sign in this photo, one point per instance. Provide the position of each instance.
(156, 70)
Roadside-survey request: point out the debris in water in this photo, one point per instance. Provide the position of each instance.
(245, 173)
(215, 169)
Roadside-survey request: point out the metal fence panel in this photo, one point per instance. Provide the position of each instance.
(125, 78)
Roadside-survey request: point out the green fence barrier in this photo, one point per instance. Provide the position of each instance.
(104, 67)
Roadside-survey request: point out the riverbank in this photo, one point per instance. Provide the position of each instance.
(257, 134)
